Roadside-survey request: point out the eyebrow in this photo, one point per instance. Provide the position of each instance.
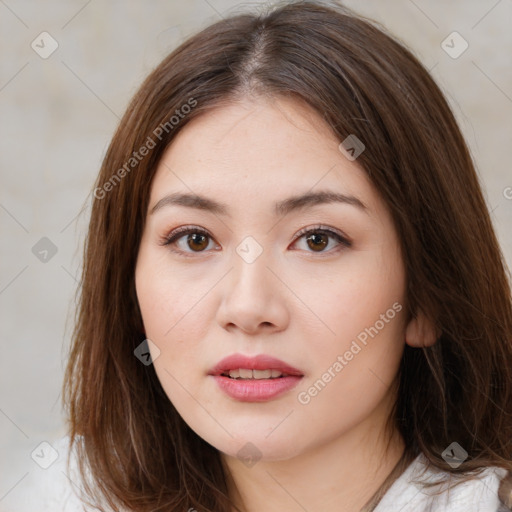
(283, 207)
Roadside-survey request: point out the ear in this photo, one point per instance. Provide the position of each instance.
(420, 332)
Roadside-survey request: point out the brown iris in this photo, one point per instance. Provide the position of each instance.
(197, 238)
(319, 241)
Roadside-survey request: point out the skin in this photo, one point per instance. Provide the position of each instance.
(301, 305)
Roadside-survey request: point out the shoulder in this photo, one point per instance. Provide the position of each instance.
(408, 494)
(52, 485)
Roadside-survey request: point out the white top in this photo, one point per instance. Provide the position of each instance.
(51, 490)
(408, 495)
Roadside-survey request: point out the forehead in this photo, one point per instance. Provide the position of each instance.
(254, 150)
(283, 128)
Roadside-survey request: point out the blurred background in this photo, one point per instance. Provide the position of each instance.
(67, 72)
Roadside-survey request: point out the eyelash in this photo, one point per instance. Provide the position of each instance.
(178, 233)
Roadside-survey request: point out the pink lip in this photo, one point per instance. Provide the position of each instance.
(259, 390)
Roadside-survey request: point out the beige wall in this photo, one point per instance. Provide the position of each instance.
(56, 119)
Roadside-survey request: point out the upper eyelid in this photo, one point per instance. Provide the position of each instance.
(180, 232)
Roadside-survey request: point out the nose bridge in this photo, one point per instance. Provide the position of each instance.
(251, 296)
(250, 267)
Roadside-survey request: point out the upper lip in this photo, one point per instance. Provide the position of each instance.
(259, 362)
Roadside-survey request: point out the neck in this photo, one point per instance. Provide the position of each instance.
(341, 475)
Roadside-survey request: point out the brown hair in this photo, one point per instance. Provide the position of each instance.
(141, 454)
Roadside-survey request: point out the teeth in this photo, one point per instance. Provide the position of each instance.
(243, 373)
(261, 374)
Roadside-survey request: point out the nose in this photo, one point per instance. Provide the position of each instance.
(254, 300)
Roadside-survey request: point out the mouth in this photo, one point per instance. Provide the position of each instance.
(247, 374)
(255, 379)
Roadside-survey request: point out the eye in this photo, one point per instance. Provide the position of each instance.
(317, 238)
(197, 239)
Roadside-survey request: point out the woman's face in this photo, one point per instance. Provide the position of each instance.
(316, 284)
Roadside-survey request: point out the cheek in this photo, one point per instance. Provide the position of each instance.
(171, 323)
(351, 374)
(169, 300)
(175, 311)
(361, 312)
(346, 300)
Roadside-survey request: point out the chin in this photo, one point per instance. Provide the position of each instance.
(255, 440)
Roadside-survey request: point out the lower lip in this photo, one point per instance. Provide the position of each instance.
(255, 390)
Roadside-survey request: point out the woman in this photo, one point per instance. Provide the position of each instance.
(293, 297)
